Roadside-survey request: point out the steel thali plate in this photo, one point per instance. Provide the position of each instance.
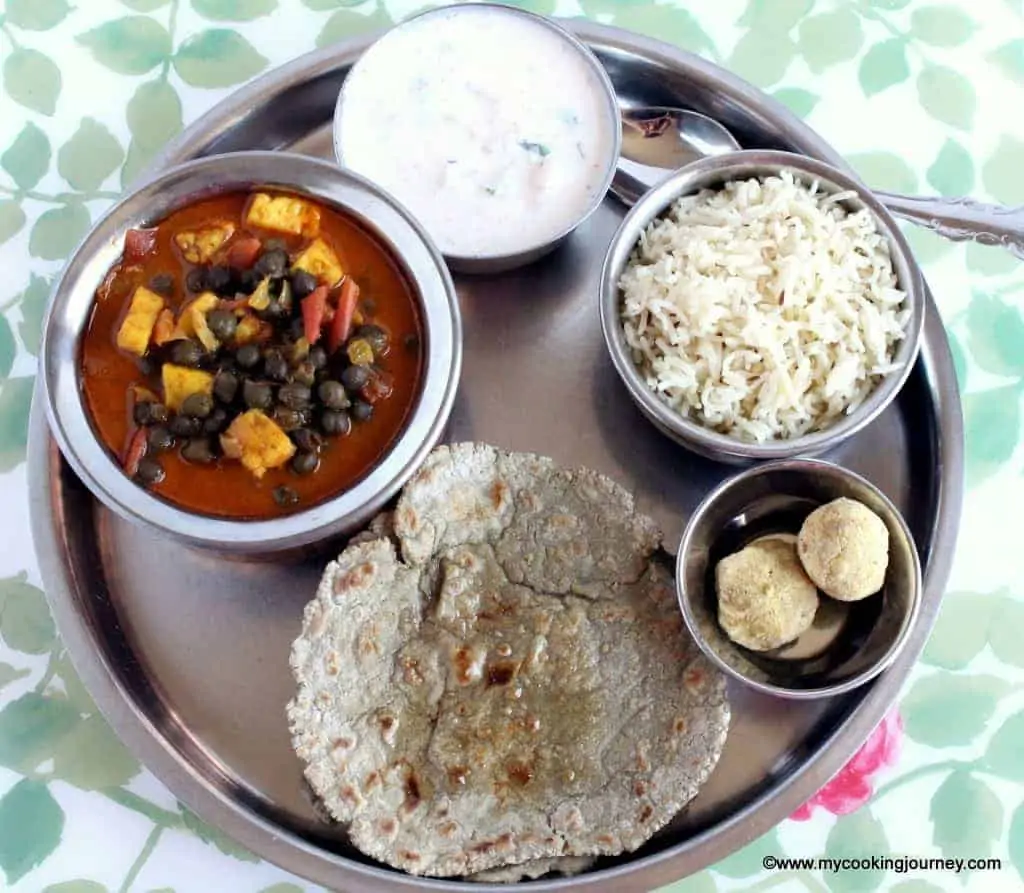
(186, 654)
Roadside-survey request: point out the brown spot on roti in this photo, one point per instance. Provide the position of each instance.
(694, 679)
(501, 672)
(411, 671)
(355, 579)
(412, 793)
(520, 773)
(499, 493)
(462, 660)
(332, 663)
(407, 518)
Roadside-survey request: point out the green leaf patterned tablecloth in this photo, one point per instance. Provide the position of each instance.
(920, 96)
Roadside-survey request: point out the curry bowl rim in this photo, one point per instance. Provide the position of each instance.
(348, 194)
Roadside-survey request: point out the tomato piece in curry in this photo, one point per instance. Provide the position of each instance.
(252, 355)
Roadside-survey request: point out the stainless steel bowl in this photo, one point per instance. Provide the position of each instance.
(850, 642)
(73, 300)
(715, 172)
(528, 253)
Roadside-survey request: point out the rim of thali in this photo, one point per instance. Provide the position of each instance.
(287, 848)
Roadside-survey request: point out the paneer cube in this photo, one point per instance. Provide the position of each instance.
(181, 382)
(202, 305)
(260, 299)
(257, 442)
(193, 321)
(142, 394)
(200, 246)
(320, 260)
(203, 331)
(137, 328)
(251, 329)
(165, 329)
(284, 214)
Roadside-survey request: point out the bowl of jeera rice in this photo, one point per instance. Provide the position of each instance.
(761, 305)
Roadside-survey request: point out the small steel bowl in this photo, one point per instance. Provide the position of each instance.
(185, 184)
(849, 643)
(714, 172)
(528, 253)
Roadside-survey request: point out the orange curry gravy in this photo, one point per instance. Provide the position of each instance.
(225, 488)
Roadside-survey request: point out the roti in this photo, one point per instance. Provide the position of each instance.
(498, 673)
(563, 866)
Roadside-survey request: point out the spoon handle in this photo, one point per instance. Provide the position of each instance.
(962, 218)
(628, 188)
(958, 219)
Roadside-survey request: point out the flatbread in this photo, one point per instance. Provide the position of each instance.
(565, 866)
(498, 673)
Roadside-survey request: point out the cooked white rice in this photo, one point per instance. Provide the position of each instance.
(763, 310)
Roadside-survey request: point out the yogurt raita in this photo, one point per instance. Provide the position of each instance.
(492, 128)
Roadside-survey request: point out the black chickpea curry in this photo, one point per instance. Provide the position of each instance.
(251, 355)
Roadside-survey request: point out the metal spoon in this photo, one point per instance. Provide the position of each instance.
(666, 139)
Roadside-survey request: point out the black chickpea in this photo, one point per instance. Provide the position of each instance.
(247, 356)
(162, 284)
(272, 262)
(159, 439)
(185, 426)
(361, 411)
(225, 386)
(335, 422)
(294, 395)
(198, 450)
(355, 377)
(150, 471)
(186, 353)
(285, 496)
(317, 357)
(141, 413)
(307, 440)
(197, 406)
(303, 283)
(257, 395)
(275, 366)
(223, 324)
(332, 395)
(305, 463)
(216, 421)
(218, 279)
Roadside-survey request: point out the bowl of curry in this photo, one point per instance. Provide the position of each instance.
(251, 352)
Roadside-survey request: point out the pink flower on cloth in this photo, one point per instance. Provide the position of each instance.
(851, 787)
